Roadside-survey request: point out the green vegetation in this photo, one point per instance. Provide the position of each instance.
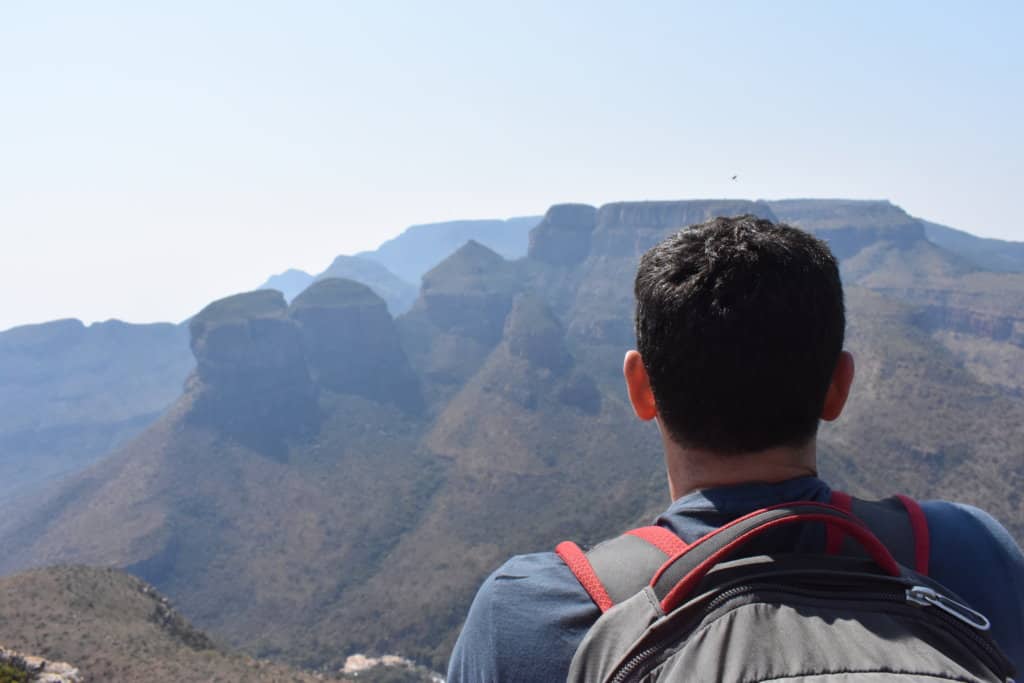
(13, 671)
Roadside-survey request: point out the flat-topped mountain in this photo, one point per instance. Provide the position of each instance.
(367, 526)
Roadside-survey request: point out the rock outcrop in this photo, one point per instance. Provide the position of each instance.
(251, 380)
(38, 669)
(535, 334)
(563, 237)
(470, 293)
(352, 344)
(631, 228)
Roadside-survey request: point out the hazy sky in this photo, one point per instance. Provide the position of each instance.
(157, 155)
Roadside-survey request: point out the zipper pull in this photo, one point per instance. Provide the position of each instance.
(928, 597)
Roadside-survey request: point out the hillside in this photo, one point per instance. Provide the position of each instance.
(70, 393)
(114, 627)
(988, 254)
(335, 480)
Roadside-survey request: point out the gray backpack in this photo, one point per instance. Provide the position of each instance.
(710, 611)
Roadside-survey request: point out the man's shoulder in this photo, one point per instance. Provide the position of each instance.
(524, 624)
(977, 558)
(956, 525)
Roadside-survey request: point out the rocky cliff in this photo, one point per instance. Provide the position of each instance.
(251, 380)
(352, 344)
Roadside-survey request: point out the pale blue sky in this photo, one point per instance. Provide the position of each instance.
(157, 155)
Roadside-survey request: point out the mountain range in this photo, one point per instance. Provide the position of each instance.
(72, 393)
(334, 479)
(395, 267)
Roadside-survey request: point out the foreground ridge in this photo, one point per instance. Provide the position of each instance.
(16, 666)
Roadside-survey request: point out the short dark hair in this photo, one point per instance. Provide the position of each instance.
(740, 323)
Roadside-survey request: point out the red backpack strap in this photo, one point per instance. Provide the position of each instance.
(922, 540)
(898, 521)
(833, 534)
(576, 560)
(619, 568)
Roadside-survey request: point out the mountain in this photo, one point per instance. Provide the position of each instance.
(114, 627)
(398, 293)
(975, 314)
(421, 247)
(1000, 256)
(335, 480)
(71, 393)
(390, 269)
(289, 283)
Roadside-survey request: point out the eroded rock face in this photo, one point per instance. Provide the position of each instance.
(563, 237)
(631, 228)
(470, 293)
(251, 379)
(534, 333)
(352, 344)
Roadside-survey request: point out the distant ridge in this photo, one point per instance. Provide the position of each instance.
(421, 247)
(986, 253)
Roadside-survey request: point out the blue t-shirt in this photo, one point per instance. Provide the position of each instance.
(530, 615)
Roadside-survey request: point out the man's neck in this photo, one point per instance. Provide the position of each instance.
(692, 469)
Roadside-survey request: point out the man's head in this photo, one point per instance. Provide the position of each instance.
(739, 324)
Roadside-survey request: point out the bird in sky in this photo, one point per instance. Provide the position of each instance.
(735, 177)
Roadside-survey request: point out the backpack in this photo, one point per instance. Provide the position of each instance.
(712, 611)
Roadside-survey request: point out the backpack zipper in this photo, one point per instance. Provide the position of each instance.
(952, 613)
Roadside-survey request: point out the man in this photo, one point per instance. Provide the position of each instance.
(739, 326)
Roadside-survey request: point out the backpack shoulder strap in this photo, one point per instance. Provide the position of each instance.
(619, 568)
(898, 522)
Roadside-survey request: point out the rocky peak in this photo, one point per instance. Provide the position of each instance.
(533, 332)
(470, 293)
(246, 333)
(563, 237)
(352, 345)
(471, 266)
(251, 379)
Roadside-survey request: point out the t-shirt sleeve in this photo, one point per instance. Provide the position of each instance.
(975, 556)
(524, 624)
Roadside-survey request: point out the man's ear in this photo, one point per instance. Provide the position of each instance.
(839, 389)
(638, 386)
